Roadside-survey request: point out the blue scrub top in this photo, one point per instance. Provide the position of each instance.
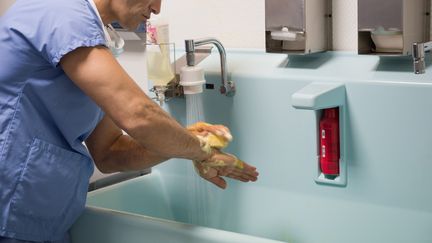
(44, 118)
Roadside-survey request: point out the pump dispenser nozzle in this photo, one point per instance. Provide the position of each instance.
(160, 93)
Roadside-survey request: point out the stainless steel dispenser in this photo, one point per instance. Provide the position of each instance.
(298, 26)
(390, 27)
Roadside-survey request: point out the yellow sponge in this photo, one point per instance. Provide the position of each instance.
(218, 141)
(215, 141)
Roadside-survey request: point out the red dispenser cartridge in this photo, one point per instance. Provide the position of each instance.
(329, 142)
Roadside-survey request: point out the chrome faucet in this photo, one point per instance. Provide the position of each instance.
(418, 52)
(227, 87)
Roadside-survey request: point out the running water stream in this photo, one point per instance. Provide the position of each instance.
(203, 196)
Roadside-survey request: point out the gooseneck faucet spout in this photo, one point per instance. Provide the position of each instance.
(418, 52)
(227, 87)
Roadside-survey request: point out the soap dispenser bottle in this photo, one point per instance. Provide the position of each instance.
(159, 61)
(329, 143)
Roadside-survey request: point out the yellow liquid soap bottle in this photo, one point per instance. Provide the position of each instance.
(159, 65)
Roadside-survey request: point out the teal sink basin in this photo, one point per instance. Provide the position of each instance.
(385, 197)
(140, 210)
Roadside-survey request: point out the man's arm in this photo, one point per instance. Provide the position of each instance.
(100, 76)
(114, 151)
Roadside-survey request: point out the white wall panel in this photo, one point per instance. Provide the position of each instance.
(238, 23)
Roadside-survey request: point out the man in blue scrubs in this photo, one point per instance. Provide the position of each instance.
(61, 86)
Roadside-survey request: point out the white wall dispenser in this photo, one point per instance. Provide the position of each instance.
(298, 26)
(391, 27)
(326, 100)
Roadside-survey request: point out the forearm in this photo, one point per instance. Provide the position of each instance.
(155, 130)
(125, 154)
(127, 105)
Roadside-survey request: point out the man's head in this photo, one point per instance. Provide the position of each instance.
(130, 13)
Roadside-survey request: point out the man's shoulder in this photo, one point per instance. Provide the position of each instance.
(64, 7)
(48, 8)
(33, 16)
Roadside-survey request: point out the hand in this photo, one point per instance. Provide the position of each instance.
(222, 164)
(222, 135)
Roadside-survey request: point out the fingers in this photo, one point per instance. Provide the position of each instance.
(250, 170)
(243, 175)
(197, 129)
(238, 163)
(239, 178)
(227, 164)
(199, 126)
(228, 160)
(218, 181)
(213, 174)
(205, 171)
(203, 129)
(220, 131)
(200, 133)
(220, 163)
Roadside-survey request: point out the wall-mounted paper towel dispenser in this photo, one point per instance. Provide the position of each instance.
(390, 27)
(298, 26)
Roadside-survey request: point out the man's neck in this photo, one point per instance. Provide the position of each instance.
(105, 11)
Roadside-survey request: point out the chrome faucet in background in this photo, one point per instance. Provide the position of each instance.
(227, 87)
(418, 52)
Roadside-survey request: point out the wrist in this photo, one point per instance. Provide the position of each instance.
(205, 151)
